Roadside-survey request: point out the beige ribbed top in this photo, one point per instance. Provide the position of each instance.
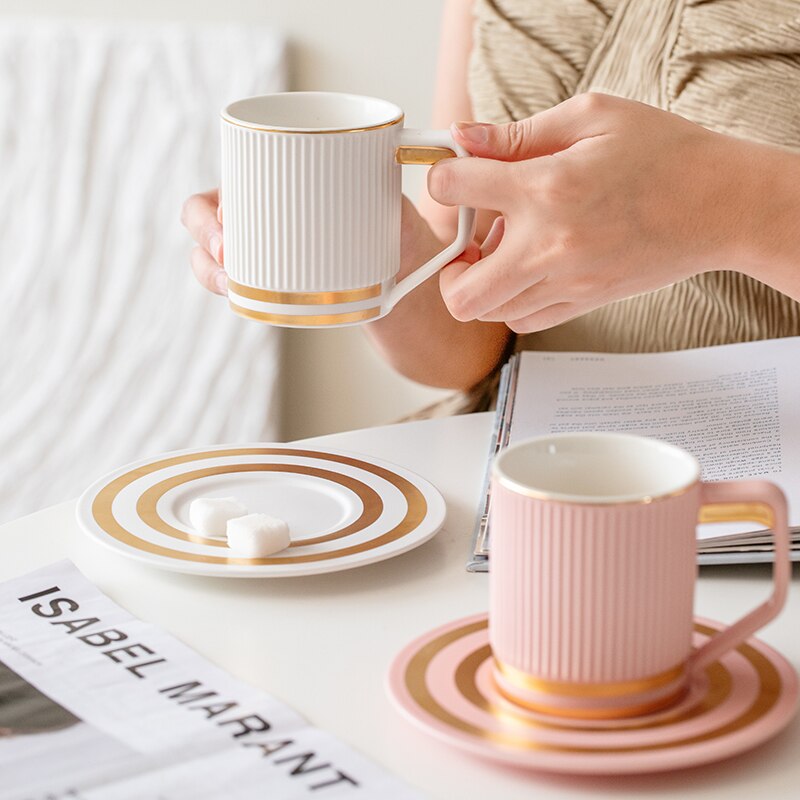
(730, 65)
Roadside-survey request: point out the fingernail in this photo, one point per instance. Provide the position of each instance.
(215, 245)
(473, 132)
(221, 282)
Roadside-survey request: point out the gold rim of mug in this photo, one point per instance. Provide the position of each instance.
(305, 298)
(267, 129)
(593, 500)
(588, 500)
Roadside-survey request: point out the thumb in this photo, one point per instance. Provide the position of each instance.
(542, 134)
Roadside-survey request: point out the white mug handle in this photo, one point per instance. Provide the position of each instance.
(428, 147)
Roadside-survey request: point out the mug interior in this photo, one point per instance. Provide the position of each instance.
(596, 468)
(312, 112)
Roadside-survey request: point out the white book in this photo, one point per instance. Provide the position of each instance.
(736, 407)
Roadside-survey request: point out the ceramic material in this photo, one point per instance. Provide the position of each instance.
(343, 510)
(444, 683)
(593, 571)
(311, 192)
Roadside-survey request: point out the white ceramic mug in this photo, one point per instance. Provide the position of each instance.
(311, 193)
(593, 567)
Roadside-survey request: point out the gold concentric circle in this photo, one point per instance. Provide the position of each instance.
(416, 684)
(719, 682)
(147, 504)
(103, 514)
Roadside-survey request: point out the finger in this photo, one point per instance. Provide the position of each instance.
(208, 272)
(489, 283)
(494, 237)
(449, 273)
(545, 318)
(471, 254)
(457, 266)
(471, 292)
(543, 134)
(529, 301)
(476, 182)
(200, 218)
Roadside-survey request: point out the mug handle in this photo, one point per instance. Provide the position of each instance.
(766, 504)
(428, 147)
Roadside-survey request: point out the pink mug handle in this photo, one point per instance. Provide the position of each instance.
(765, 504)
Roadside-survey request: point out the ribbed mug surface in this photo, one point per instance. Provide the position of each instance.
(592, 593)
(311, 212)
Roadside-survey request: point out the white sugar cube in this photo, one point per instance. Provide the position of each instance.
(257, 535)
(210, 515)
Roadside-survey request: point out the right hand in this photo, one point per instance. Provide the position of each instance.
(202, 217)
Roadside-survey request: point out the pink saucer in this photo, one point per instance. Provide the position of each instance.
(442, 682)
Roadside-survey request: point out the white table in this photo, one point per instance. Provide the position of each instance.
(323, 644)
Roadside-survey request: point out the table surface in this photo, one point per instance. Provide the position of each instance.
(335, 635)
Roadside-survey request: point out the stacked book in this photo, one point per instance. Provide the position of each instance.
(735, 407)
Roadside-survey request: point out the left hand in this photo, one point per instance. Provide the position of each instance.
(601, 198)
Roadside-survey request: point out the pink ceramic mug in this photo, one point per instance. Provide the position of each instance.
(593, 568)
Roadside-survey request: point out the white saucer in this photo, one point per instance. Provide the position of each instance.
(343, 510)
(443, 683)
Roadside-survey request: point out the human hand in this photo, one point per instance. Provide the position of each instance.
(202, 217)
(600, 198)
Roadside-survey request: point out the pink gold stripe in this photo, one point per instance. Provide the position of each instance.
(570, 689)
(616, 712)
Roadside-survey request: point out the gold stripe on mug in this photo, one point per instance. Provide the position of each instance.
(754, 511)
(574, 689)
(618, 712)
(422, 154)
(305, 298)
(302, 320)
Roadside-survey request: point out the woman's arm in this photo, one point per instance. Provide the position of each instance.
(769, 236)
(420, 338)
(451, 103)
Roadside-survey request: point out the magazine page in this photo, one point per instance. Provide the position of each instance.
(95, 703)
(733, 406)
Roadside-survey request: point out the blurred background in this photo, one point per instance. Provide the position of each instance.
(108, 121)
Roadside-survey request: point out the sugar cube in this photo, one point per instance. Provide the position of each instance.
(210, 515)
(257, 535)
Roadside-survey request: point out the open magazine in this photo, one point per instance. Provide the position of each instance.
(735, 407)
(98, 705)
